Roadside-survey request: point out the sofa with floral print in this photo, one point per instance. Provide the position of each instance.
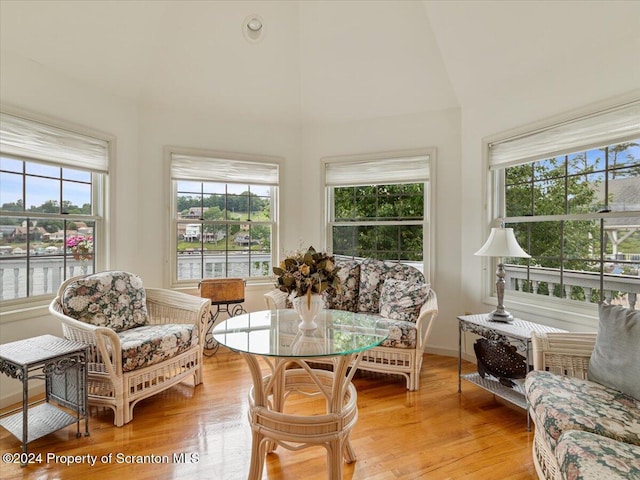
(584, 399)
(593, 430)
(397, 293)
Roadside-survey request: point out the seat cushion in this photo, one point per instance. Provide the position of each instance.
(586, 456)
(114, 299)
(151, 344)
(559, 403)
(401, 334)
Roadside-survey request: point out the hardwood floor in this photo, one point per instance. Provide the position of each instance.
(434, 433)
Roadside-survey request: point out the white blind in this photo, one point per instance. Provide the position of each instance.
(388, 170)
(224, 170)
(49, 144)
(591, 131)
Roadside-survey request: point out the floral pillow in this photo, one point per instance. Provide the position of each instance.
(402, 300)
(347, 298)
(373, 273)
(116, 300)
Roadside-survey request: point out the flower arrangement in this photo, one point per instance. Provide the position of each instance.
(305, 273)
(81, 246)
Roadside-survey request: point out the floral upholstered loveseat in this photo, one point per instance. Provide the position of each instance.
(584, 399)
(395, 291)
(141, 340)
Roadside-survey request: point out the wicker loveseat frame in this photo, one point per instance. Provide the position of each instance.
(396, 359)
(557, 389)
(109, 385)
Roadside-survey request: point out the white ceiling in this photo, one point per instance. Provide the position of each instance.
(325, 61)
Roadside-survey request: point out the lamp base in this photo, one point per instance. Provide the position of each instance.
(500, 316)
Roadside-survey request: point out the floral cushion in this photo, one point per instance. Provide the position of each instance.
(559, 403)
(151, 344)
(373, 273)
(401, 334)
(402, 300)
(347, 298)
(586, 456)
(116, 300)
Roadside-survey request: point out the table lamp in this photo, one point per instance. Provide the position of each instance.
(501, 243)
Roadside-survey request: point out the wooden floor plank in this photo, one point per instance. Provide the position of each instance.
(434, 433)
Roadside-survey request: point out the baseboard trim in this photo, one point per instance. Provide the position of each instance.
(447, 352)
(15, 398)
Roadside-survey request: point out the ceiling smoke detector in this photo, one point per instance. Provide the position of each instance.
(253, 28)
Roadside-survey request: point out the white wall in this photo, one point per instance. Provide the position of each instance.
(530, 100)
(438, 129)
(27, 85)
(160, 127)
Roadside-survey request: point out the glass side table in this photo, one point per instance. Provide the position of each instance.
(516, 333)
(62, 365)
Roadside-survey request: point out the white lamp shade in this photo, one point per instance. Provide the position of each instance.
(502, 243)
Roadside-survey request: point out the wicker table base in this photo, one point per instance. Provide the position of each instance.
(271, 427)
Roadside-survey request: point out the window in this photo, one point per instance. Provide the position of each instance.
(52, 183)
(571, 192)
(224, 215)
(378, 206)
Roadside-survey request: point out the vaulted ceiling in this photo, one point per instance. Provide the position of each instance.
(322, 61)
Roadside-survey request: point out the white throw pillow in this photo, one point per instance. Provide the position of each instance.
(616, 357)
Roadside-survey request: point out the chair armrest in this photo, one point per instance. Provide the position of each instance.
(168, 306)
(275, 299)
(102, 341)
(564, 353)
(424, 323)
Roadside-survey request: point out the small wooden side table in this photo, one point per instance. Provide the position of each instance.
(516, 333)
(227, 296)
(62, 365)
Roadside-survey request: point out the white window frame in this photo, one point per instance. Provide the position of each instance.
(586, 121)
(230, 160)
(73, 140)
(378, 168)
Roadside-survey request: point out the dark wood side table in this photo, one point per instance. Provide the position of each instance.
(62, 365)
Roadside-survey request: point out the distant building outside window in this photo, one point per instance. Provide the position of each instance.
(52, 184)
(224, 211)
(576, 211)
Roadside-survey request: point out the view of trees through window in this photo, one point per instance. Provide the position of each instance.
(47, 227)
(223, 230)
(578, 216)
(379, 221)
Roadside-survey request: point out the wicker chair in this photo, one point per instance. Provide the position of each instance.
(116, 379)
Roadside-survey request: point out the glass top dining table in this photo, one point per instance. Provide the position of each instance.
(275, 333)
(273, 339)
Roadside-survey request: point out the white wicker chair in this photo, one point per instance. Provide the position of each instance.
(400, 361)
(108, 384)
(563, 353)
